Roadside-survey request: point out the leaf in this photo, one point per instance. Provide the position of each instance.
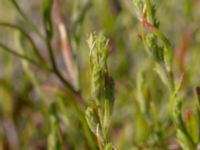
(183, 141)
(109, 146)
(54, 142)
(91, 119)
(173, 99)
(160, 70)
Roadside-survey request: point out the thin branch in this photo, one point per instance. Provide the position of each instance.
(9, 50)
(21, 12)
(55, 68)
(49, 33)
(82, 15)
(36, 50)
(66, 48)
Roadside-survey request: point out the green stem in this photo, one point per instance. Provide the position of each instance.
(56, 70)
(165, 41)
(198, 115)
(9, 50)
(29, 22)
(76, 94)
(81, 117)
(28, 70)
(149, 12)
(184, 130)
(106, 120)
(36, 50)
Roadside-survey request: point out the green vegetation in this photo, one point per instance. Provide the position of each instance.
(109, 74)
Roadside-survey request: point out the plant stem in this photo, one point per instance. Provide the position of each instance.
(29, 22)
(30, 60)
(36, 50)
(77, 94)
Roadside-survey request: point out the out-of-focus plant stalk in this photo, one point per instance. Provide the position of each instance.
(68, 56)
(162, 55)
(48, 24)
(26, 18)
(26, 67)
(66, 48)
(198, 111)
(54, 140)
(28, 37)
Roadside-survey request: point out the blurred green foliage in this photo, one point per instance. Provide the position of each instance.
(43, 102)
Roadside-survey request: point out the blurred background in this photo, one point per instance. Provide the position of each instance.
(26, 90)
